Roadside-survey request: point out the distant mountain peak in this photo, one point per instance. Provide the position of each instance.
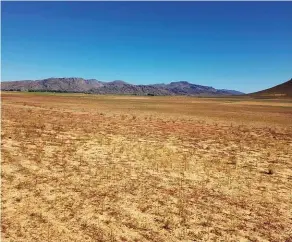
(180, 82)
(119, 82)
(64, 78)
(92, 80)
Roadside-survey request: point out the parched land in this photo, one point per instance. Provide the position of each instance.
(126, 168)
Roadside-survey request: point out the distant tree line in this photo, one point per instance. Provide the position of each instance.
(22, 90)
(64, 91)
(12, 90)
(58, 91)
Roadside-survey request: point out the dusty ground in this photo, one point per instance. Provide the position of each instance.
(116, 168)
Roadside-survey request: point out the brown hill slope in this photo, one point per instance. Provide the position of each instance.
(281, 90)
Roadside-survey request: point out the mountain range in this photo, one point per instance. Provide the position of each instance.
(81, 85)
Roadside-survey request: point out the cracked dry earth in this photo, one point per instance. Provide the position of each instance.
(109, 168)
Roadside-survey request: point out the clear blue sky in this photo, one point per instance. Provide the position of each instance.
(245, 46)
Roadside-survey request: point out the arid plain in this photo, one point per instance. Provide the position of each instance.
(79, 167)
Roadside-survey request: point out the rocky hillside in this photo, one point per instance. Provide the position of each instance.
(115, 87)
(281, 90)
(53, 84)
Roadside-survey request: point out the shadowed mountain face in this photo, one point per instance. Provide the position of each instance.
(281, 90)
(53, 84)
(115, 87)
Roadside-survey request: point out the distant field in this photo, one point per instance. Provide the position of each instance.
(79, 167)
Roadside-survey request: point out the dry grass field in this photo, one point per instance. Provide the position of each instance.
(79, 167)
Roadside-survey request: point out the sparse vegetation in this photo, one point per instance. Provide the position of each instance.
(79, 167)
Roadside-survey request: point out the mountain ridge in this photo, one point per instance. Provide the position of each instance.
(77, 84)
(281, 90)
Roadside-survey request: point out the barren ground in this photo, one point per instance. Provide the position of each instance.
(119, 168)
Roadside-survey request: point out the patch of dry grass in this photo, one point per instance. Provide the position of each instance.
(104, 168)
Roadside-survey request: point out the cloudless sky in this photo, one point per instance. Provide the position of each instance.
(246, 46)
